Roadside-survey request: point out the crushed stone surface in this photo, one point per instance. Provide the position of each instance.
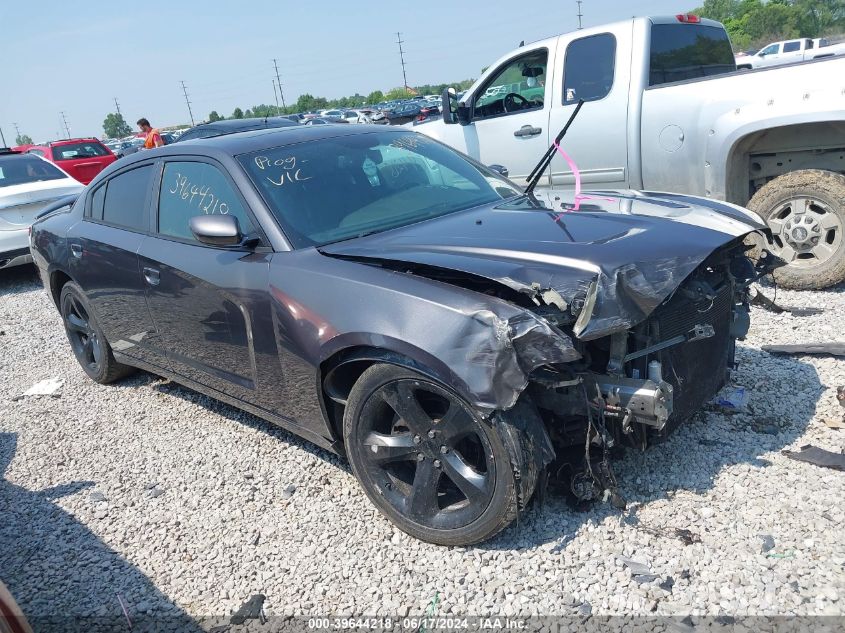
(181, 504)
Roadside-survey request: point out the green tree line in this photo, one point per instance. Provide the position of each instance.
(755, 23)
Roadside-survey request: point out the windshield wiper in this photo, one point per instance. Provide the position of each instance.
(539, 168)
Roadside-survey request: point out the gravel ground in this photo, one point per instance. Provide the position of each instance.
(183, 505)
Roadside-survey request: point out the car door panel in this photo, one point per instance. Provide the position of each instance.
(103, 260)
(594, 69)
(520, 135)
(205, 302)
(210, 304)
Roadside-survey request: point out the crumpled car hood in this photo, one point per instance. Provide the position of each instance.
(622, 252)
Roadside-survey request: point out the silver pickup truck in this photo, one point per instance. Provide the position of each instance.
(666, 110)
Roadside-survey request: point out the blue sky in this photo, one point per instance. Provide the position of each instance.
(77, 56)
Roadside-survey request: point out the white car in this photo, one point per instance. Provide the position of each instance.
(356, 116)
(28, 183)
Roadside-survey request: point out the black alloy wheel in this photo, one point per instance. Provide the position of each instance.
(87, 341)
(82, 336)
(426, 459)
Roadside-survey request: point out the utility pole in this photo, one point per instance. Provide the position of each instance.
(276, 94)
(279, 82)
(185, 91)
(17, 131)
(402, 57)
(64, 120)
(580, 15)
(117, 105)
(2, 138)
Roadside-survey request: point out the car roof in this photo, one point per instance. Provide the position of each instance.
(66, 141)
(228, 145)
(254, 140)
(245, 124)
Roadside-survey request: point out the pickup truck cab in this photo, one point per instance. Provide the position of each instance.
(790, 51)
(666, 110)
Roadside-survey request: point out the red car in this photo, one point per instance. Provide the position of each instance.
(82, 158)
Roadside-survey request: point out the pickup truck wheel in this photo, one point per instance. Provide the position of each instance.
(428, 461)
(806, 212)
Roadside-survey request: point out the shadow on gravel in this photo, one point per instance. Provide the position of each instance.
(19, 279)
(693, 456)
(56, 568)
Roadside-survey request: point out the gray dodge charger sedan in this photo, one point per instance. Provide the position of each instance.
(392, 300)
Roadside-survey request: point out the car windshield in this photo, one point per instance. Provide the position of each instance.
(337, 188)
(18, 170)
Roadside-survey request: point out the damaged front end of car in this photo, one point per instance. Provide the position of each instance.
(622, 336)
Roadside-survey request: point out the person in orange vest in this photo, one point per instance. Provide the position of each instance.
(153, 138)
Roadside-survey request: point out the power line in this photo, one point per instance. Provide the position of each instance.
(279, 82)
(580, 15)
(185, 91)
(64, 120)
(402, 57)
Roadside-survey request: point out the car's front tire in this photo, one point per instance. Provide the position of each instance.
(428, 461)
(87, 340)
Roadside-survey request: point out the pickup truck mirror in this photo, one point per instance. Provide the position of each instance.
(451, 109)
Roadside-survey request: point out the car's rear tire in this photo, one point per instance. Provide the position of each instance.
(805, 210)
(429, 462)
(87, 340)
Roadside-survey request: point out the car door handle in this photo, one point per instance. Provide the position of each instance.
(76, 250)
(151, 275)
(528, 130)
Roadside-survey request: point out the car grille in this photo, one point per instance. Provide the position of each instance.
(696, 369)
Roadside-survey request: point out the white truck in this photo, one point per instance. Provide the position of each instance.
(788, 52)
(666, 110)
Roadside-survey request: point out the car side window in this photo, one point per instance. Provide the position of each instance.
(519, 85)
(126, 197)
(98, 198)
(791, 47)
(771, 49)
(189, 189)
(589, 68)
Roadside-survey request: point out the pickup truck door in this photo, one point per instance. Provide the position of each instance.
(769, 56)
(510, 113)
(792, 52)
(595, 68)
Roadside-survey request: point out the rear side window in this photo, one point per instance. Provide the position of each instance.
(37, 152)
(74, 151)
(687, 51)
(189, 189)
(125, 199)
(791, 47)
(589, 68)
(97, 200)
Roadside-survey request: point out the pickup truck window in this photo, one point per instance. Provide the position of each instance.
(810, 44)
(688, 51)
(589, 68)
(791, 47)
(519, 85)
(771, 49)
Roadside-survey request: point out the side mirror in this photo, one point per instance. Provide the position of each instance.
(499, 169)
(448, 103)
(216, 230)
